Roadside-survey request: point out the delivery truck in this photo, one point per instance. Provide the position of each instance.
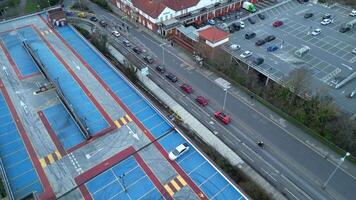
(249, 6)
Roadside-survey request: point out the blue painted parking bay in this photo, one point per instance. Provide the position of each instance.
(208, 179)
(19, 168)
(63, 126)
(80, 102)
(124, 181)
(13, 43)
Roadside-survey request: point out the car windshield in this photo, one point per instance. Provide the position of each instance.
(175, 152)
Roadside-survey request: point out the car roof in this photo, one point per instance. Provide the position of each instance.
(181, 147)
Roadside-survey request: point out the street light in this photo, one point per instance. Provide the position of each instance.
(337, 167)
(225, 89)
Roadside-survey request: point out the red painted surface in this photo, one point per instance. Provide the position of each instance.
(153, 178)
(85, 193)
(51, 133)
(139, 124)
(81, 84)
(48, 192)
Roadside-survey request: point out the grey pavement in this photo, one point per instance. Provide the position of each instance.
(293, 157)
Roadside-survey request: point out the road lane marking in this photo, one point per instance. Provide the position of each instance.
(291, 193)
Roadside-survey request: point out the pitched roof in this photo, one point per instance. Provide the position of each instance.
(154, 8)
(213, 34)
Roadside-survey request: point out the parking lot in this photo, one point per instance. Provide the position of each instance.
(329, 60)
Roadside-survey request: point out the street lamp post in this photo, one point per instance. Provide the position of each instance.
(337, 167)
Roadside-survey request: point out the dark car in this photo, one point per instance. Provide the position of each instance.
(202, 100)
(237, 27)
(252, 21)
(344, 29)
(93, 19)
(258, 60)
(326, 16)
(172, 77)
(231, 29)
(261, 16)
(308, 15)
(160, 69)
(137, 50)
(250, 35)
(270, 38)
(300, 1)
(149, 59)
(277, 23)
(186, 88)
(272, 48)
(260, 42)
(103, 23)
(222, 18)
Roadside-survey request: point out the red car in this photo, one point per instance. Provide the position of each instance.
(202, 100)
(222, 117)
(186, 88)
(277, 23)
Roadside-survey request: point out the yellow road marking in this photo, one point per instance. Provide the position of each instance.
(175, 185)
(117, 124)
(129, 118)
(58, 155)
(181, 180)
(43, 162)
(169, 190)
(50, 158)
(123, 120)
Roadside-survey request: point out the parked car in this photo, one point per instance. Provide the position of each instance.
(316, 31)
(242, 24)
(115, 33)
(272, 48)
(252, 21)
(250, 35)
(231, 29)
(82, 15)
(270, 38)
(211, 22)
(93, 19)
(326, 16)
(325, 22)
(178, 151)
(260, 42)
(186, 88)
(354, 51)
(103, 23)
(258, 60)
(308, 15)
(126, 43)
(172, 77)
(235, 47)
(277, 23)
(222, 18)
(246, 54)
(202, 100)
(236, 26)
(149, 59)
(261, 16)
(344, 29)
(137, 50)
(160, 69)
(222, 117)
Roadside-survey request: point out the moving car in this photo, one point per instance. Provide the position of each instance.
(222, 117)
(186, 88)
(258, 60)
(252, 21)
(235, 47)
(308, 15)
(149, 59)
(260, 42)
(178, 151)
(261, 16)
(137, 50)
(316, 31)
(250, 35)
(246, 54)
(172, 77)
(202, 100)
(160, 69)
(115, 33)
(272, 48)
(93, 19)
(270, 38)
(325, 22)
(277, 23)
(126, 43)
(353, 13)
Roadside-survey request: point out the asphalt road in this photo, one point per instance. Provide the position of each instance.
(289, 161)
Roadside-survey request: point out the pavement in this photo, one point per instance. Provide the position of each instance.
(298, 174)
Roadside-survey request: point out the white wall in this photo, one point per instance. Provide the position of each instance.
(218, 43)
